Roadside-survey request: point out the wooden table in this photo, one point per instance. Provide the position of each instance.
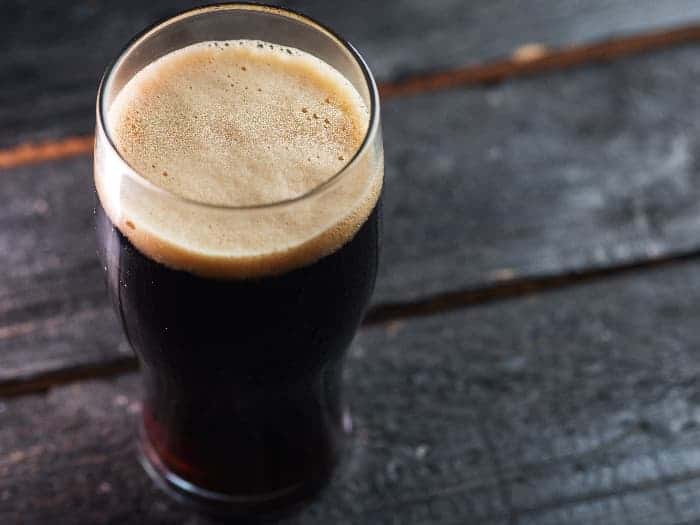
(531, 356)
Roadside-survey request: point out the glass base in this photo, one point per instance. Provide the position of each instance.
(258, 508)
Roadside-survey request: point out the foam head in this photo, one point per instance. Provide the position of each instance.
(239, 123)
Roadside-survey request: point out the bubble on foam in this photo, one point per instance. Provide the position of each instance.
(220, 143)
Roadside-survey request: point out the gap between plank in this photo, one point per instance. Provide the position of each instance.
(528, 59)
(42, 382)
(535, 58)
(387, 314)
(513, 289)
(35, 153)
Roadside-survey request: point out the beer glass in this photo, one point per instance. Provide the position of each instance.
(242, 363)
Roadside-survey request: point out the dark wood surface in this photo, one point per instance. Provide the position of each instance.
(574, 406)
(528, 181)
(54, 52)
(550, 225)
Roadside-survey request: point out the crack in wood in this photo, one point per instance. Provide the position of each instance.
(444, 302)
(45, 381)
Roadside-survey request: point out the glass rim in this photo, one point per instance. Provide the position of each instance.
(139, 38)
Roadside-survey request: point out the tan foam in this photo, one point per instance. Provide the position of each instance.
(239, 123)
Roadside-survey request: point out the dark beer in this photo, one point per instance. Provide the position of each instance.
(243, 377)
(237, 218)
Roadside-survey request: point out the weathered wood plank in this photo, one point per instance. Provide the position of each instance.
(588, 168)
(53, 54)
(578, 406)
(545, 176)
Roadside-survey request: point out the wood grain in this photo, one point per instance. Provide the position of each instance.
(54, 53)
(567, 172)
(485, 188)
(578, 406)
